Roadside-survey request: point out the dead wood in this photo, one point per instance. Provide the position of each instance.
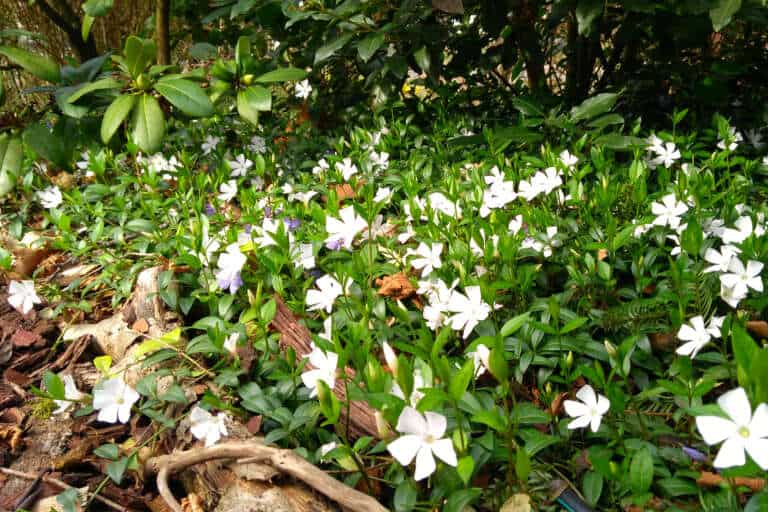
(285, 461)
(362, 417)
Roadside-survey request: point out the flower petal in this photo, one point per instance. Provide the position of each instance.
(580, 422)
(436, 424)
(758, 450)
(575, 409)
(736, 405)
(425, 464)
(714, 429)
(587, 395)
(731, 454)
(411, 422)
(404, 449)
(443, 448)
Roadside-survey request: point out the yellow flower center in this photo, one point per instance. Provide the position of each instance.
(744, 432)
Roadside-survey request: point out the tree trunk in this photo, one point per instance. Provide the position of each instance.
(68, 21)
(162, 31)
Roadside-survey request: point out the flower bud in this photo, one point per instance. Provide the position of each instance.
(382, 426)
(610, 348)
(569, 360)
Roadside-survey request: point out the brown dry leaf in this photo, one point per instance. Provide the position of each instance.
(396, 286)
(24, 338)
(64, 180)
(158, 504)
(758, 327)
(709, 479)
(254, 424)
(16, 377)
(140, 325)
(26, 260)
(557, 404)
(11, 436)
(662, 341)
(344, 191)
(192, 503)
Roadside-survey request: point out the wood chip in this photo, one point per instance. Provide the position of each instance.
(140, 325)
(396, 286)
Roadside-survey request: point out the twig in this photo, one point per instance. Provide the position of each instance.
(284, 460)
(62, 485)
(709, 479)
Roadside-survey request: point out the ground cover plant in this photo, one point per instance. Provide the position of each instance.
(445, 303)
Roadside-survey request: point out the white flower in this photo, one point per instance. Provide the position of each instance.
(327, 448)
(209, 144)
(383, 195)
(732, 296)
(755, 138)
(481, 358)
(71, 394)
(744, 230)
(346, 168)
(742, 432)
(239, 166)
(720, 260)
(113, 398)
(426, 258)
(667, 154)
(547, 180)
(499, 193)
(732, 139)
(328, 290)
(697, 336)
(515, 224)
(528, 190)
(303, 89)
(422, 439)
(50, 197)
(304, 197)
(668, 211)
(22, 296)
(230, 264)
(439, 202)
(230, 343)
(379, 160)
(258, 145)
(416, 393)
(321, 167)
(324, 369)
(469, 310)
(568, 159)
(205, 426)
(227, 191)
(342, 231)
(209, 245)
(740, 278)
(589, 411)
(303, 256)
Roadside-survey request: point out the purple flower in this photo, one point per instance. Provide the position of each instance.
(694, 454)
(248, 229)
(335, 245)
(268, 212)
(316, 273)
(292, 224)
(231, 282)
(209, 209)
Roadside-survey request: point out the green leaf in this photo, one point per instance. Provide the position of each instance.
(168, 340)
(641, 471)
(242, 51)
(140, 226)
(49, 144)
(11, 155)
(116, 113)
(522, 465)
(69, 500)
(107, 451)
(459, 501)
(2, 90)
(185, 95)
(85, 28)
(594, 106)
(592, 487)
(368, 46)
(138, 53)
(53, 385)
(282, 75)
(175, 394)
(38, 65)
(619, 142)
(744, 347)
(116, 469)
(97, 8)
(251, 101)
(587, 11)
(465, 468)
(324, 52)
(148, 124)
(422, 59)
(98, 85)
(268, 311)
(460, 382)
(405, 496)
(757, 503)
(514, 324)
(493, 418)
(103, 363)
(722, 14)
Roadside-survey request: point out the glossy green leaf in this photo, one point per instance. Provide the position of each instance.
(98, 85)
(641, 471)
(251, 101)
(282, 75)
(594, 106)
(53, 385)
(85, 27)
(326, 51)
(148, 124)
(723, 12)
(368, 46)
(138, 53)
(97, 8)
(185, 95)
(38, 65)
(116, 113)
